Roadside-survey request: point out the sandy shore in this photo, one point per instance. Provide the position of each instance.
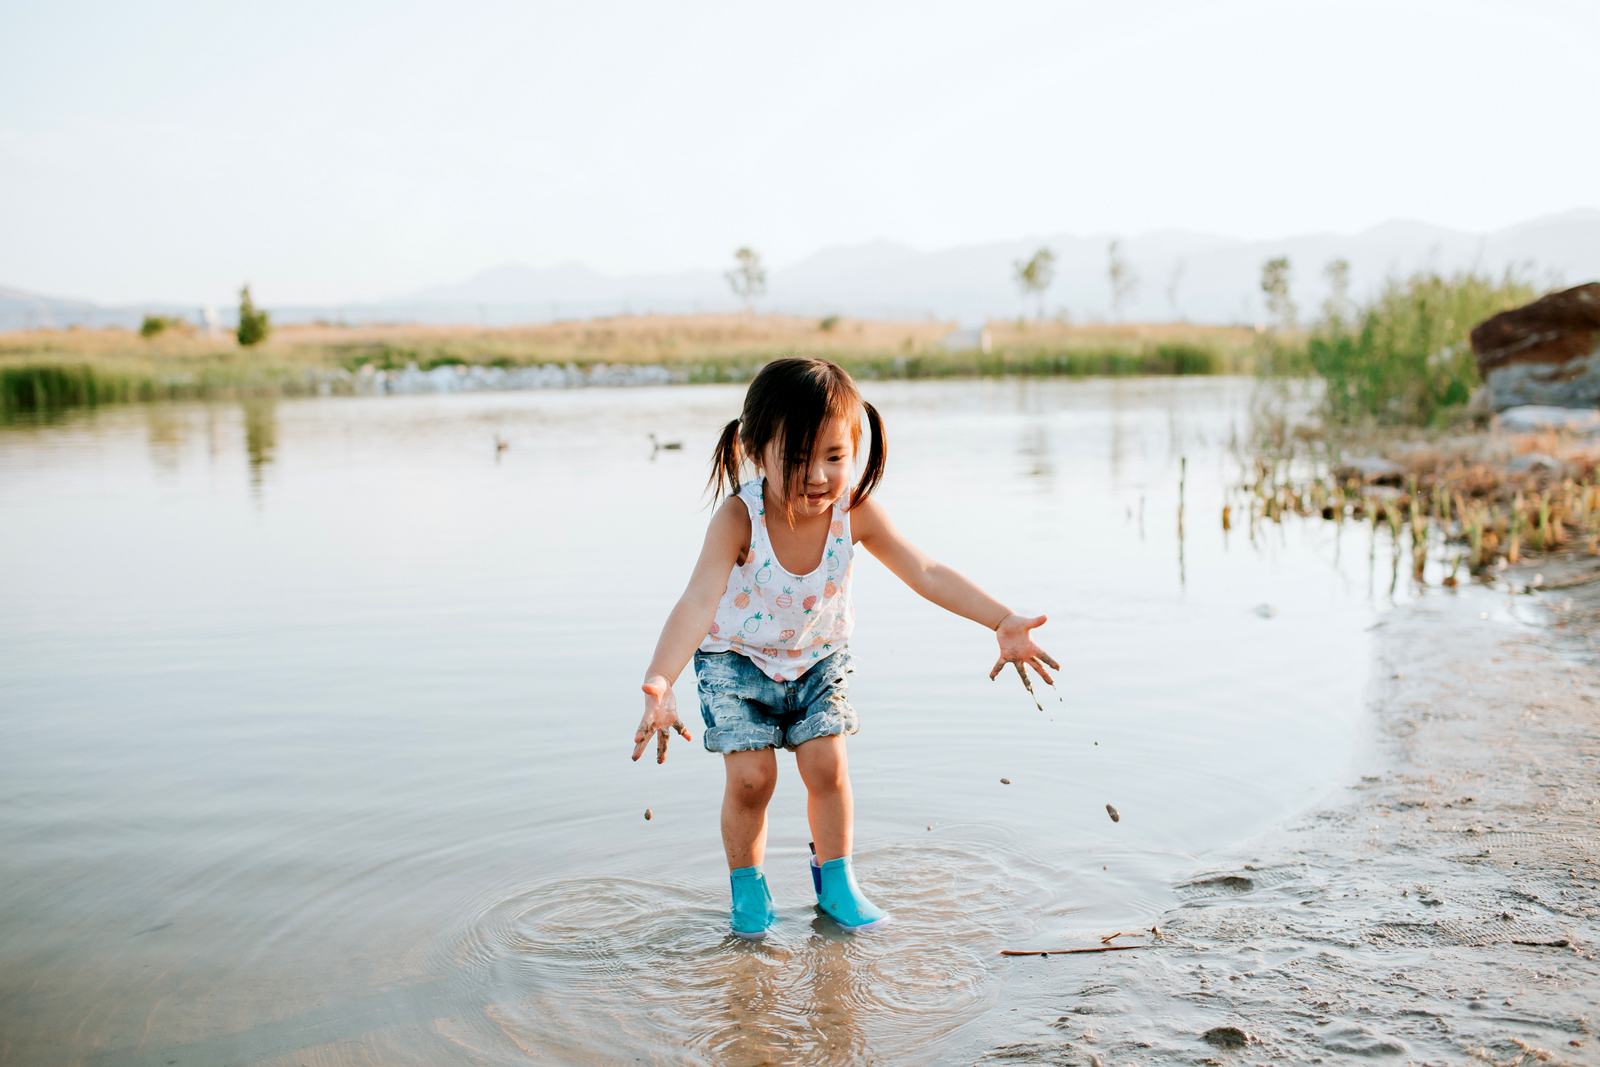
(1442, 909)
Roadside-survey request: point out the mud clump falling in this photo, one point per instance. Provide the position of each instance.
(1115, 817)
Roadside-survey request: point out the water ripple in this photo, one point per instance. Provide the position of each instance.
(604, 967)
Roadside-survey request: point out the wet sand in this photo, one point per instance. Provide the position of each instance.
(1441, 909)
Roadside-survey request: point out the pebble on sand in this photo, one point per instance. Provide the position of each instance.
(1226, 1037)
(648, 815)
(1005, 781)
(1113, 813)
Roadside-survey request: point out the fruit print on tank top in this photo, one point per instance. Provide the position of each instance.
(811, 615)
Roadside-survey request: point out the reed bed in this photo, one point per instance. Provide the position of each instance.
(1480, 502)
(1404, 357)
(51, 370)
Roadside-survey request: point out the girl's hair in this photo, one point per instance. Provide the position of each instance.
(791, 399)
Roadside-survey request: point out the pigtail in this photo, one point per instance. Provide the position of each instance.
(872, 474)
(724, 479)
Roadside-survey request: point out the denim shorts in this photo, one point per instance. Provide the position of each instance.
(745, 710)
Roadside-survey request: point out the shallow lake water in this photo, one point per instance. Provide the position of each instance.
(315, 720)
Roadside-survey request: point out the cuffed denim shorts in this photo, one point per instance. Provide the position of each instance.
(745, 710)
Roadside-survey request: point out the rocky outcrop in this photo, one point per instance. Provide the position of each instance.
(1546, 352)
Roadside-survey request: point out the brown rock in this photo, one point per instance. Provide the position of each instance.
(1229, 1037)
(1546, 352)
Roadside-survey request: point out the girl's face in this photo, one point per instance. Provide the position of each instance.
(827, 476)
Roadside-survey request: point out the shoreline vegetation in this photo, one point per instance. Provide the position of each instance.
(1469, 504)
(1394, 436)
(49, 370)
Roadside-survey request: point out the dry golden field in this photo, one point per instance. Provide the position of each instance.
(45, 367)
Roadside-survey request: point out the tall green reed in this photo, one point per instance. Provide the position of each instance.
(1405, 358)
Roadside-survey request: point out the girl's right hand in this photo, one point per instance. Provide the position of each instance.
(660, 718)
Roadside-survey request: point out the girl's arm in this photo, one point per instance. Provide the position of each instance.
(687, 625)
(951, 590)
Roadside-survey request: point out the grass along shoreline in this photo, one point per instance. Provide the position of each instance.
(48, 370)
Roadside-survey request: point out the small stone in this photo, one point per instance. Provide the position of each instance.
(1113, 813)
(1226, 1037)
(648, 815)
(1005, 781)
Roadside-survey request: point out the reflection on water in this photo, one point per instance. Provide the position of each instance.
(314, 719)
(260, 435)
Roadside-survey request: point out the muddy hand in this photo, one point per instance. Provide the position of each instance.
(660, 718)
(1017, 648)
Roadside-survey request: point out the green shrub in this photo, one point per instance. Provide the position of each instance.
(156, 324)
(254, 325)
(1406, 358)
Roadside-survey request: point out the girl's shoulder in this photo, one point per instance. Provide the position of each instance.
(738, 508)
(866, 518)
(732, 521)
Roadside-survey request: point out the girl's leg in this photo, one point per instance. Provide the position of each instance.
(829, 805)
(828, 802)
(751, 777)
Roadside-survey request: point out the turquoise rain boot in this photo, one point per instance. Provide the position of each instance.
(842, 900)
(752, 904)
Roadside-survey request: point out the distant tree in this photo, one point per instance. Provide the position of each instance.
(748, 277)
(1337, 306)
(155, 324)
(254, 325)
(1275, 284)
(1124, 282)
(1034, 275)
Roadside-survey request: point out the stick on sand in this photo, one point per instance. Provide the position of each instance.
(1070, 951)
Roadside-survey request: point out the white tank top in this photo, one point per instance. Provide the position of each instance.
(785, 622)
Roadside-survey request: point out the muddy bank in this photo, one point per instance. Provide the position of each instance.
(1440, 910)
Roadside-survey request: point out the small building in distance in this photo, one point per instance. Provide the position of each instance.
(968, 339)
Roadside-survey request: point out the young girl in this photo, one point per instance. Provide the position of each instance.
(767, 617)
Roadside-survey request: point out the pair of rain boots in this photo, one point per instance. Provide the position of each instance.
(838, 897)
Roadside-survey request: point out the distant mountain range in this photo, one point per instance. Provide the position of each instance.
(1180, 275)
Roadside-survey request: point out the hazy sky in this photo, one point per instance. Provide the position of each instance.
(338, 151)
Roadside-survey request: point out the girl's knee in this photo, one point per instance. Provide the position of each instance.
(823, 764)
(754, 783)
(752, 779)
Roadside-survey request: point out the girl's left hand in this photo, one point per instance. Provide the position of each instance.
(1017, 647)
